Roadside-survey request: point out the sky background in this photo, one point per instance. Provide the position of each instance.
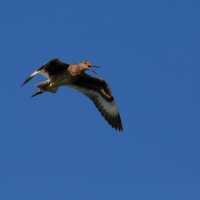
(59, 146)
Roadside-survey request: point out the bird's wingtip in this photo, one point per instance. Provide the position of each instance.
(119, 128)
(29, 78)
(26, 81)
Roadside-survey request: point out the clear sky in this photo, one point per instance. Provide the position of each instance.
(59, 146)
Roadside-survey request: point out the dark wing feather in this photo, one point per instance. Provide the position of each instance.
(99, 92)
(53, 67)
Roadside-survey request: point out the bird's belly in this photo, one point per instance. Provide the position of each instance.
(60, 80)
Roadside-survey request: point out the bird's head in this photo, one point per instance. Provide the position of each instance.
(86, 65)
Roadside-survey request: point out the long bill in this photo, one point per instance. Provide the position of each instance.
(94, 67)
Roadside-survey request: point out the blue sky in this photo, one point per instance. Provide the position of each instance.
(58, 146)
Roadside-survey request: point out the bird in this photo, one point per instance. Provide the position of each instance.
(74, 76)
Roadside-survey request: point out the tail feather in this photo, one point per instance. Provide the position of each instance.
(30, 77)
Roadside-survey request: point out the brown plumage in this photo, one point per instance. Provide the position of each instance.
(74, 76)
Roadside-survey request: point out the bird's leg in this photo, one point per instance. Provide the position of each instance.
(37, 93)
(44, 85)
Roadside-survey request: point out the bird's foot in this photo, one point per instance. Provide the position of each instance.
(37, 93)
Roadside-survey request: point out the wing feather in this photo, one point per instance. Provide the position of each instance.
(99, 92)
(53, 67)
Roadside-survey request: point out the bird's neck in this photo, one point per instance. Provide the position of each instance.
(75, 70)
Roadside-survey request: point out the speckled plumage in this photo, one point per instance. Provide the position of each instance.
(74, 76)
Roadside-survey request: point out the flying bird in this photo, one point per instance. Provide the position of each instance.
(73, 75)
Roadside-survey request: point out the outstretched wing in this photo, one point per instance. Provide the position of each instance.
(51, 68)
(99, 92)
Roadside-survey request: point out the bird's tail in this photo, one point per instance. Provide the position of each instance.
(30, 77)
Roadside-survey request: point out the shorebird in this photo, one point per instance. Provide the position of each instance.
(73, 75)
